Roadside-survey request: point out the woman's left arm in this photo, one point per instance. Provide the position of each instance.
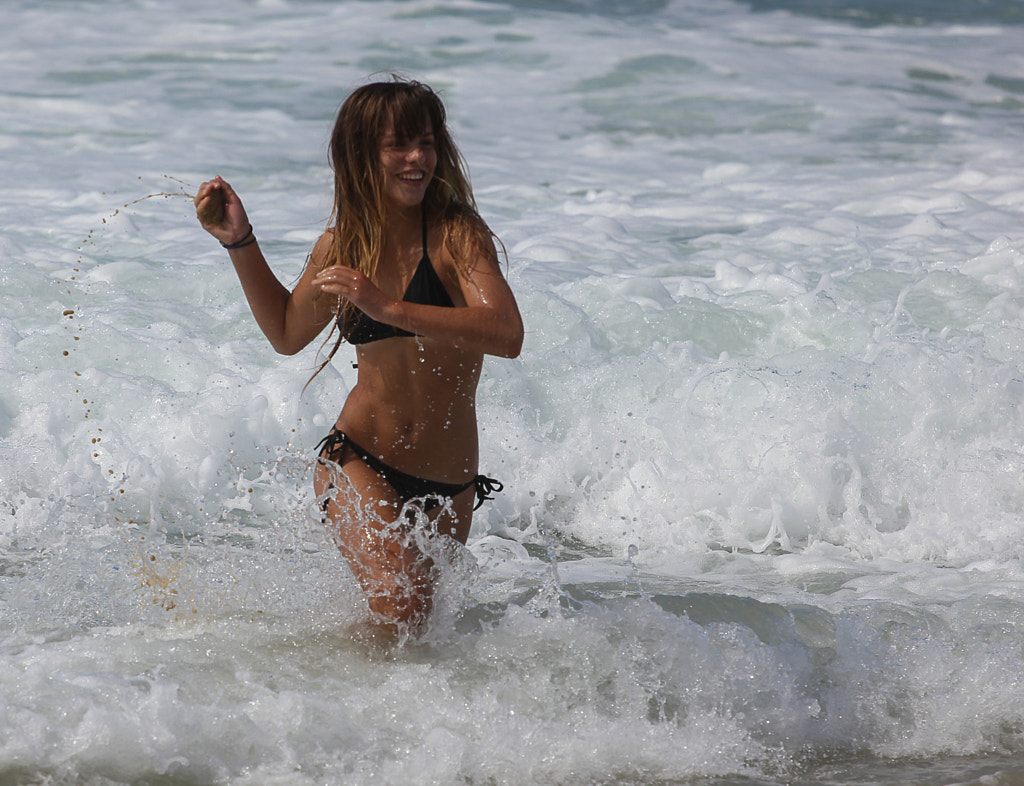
(490, 323)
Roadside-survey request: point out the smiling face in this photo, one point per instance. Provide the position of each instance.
(408, 165)
(391, 150)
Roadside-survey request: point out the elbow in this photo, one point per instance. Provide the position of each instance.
(503, 346)
(512, 345)
(284, 346)
(292, 339)
(515, 349)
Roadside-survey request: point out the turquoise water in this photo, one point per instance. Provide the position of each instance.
(761, 452)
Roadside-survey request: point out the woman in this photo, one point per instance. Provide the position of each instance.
(408, 272)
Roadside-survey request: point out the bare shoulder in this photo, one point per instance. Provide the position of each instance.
(322, 254)
(469, 243)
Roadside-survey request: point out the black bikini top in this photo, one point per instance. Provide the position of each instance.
(425, 288)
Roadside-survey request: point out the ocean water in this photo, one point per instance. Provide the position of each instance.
(762, 452)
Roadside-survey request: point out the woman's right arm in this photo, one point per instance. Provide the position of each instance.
(290, 320)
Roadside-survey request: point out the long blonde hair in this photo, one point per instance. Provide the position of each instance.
(359, 216)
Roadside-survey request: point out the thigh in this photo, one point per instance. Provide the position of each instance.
(363, 514)
(354, 491)
(456, 518)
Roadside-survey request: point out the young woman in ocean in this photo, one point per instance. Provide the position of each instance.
(408, 272)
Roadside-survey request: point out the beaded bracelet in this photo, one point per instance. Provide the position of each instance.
(247, 240)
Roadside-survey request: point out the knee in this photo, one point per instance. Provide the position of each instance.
(406, 608)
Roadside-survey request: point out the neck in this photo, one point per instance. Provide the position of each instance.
(405, 222)
(403, 236)
(400, 216)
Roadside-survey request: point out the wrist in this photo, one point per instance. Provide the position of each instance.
(246, 240)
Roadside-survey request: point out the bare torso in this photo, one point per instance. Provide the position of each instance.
(414, 406)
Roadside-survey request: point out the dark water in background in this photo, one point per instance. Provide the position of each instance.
(922, 12)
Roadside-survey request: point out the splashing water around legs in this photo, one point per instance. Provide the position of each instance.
(390, 547)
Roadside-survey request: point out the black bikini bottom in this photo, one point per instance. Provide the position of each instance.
(407, 487)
